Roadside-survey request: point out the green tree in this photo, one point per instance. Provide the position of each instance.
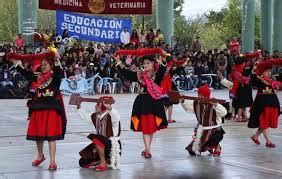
(46, 20)
(8, 20)
(186, 29)
(211, 37)
(228, 22)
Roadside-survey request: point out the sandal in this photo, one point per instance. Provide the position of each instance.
(53, 166)
(270, 145)
(148, 155)
(38, 162)
(256, 141)
(216, 152)
(101, 168)
(240, 119)
(171, 121)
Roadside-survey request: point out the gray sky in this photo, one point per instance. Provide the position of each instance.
(192, 8)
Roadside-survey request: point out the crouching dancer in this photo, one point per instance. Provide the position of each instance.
(105, 148)
(208, 132)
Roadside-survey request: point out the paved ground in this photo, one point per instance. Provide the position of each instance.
(240, 157)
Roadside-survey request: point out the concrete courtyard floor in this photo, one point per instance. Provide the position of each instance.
(240, 158)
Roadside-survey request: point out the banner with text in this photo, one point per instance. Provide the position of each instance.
(99, 6)
(92, 28)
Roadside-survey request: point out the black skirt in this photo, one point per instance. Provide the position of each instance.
(262, 101)
(144, 104)
(243, 97)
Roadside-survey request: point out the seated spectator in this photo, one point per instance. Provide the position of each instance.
(112, 49)
(99, 50)
(61, 49)
(102, 72)
(206, 68)
(180, 78)
(117, 80)
(70, 72)
(190, 76)
(221, 64)
(80, 70)
(199, 70)
(90, 49)
(103, 60)
(90, 72)
(6, 77)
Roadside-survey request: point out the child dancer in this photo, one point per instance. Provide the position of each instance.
(105, 147)
(208, 132)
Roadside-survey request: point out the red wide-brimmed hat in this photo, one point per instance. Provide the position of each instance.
(33, 59)
(268, 64)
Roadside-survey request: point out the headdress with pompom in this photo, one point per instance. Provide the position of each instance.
(34, 59)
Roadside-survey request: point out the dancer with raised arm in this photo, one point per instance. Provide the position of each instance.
(48, 119)
(148, 113)
(266, 107)
(241, 92)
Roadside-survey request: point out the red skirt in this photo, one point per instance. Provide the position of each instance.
(269, 118)
(148, 124)
(45, 125)
(166, 84)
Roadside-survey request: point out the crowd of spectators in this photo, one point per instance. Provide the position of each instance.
(80, 59)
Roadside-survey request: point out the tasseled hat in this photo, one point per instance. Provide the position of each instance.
(101, 101)
(205, 91)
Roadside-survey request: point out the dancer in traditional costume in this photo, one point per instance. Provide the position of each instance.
(266, 107)
(168, 85)
(208, 132)
(241, 91)
(48, 119)
(105, 147)
(148, 113)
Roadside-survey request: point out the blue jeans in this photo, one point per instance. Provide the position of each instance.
(193, 81)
